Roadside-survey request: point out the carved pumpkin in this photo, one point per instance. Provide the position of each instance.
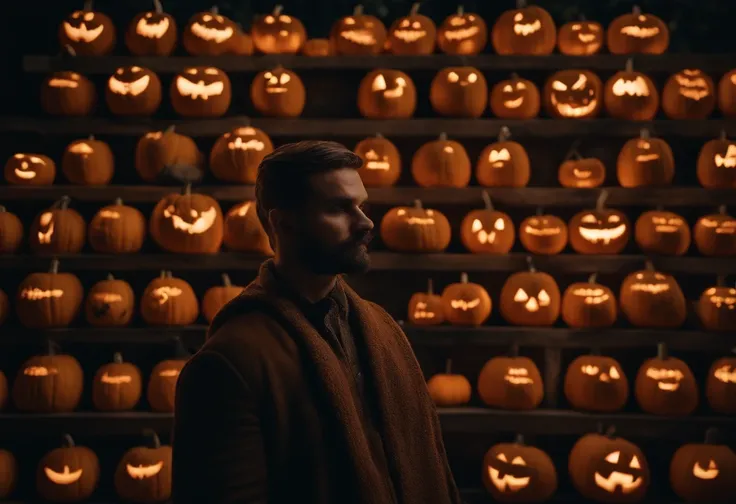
(503, 163)
(46, 300)
(317, 48)
(599, 231)
(152, 33)
(133, 91)
(277, 33)
(524, 31)
(68, 474)
(58, 230)
(218, 296)
(466, 303)
(30, 169)
(727, 94)
(161, 392)
(448, 389)
(425, 308)
(415, 229)
(515, 472)
(4, 311)
(487, 231)
(8, 473)
(717, 307)
(596, 383)
(144, 473)
(604, 468)
(187, 223)
(88, 32)
(358, 34)
(645, 161)
(412, 35)
(200, 92)
(381, 161)
(512, 383)
(387, 94)
(117, 229)
(637, 33)
(631, 95)
(664, 233)
(720, 386)
(110, 303)
(209, 34)
(530, 298)
(243, 230)
(169, 301)
(573, 94)
(441, 163)
(11, 232)
(717, 164)
(715, 234)
(649, 298)
(580, 38)
(459, 92)
(590, 304)
(278, 93)
(665, 385)
(515, 98)
(462, 33)
(48, 384)
(160, 153)
(580, 172)
(689, 94)
(236, 154)
(117, 386)
(543, 234)
(703, 472)
(88, 162)
(68, 94)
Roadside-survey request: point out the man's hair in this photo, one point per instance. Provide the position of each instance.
(283, 175)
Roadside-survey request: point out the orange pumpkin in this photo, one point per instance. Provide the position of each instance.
(110, 303)
(217, 297)
(503, 163)
(47, 300)
(526, 30)
(11, 232)
(412, 35)
(448, 389)
(236, 154)
(387, 94)
(117, 229)
(88, 32)
(716, 308)
(209, 34)
(578, 172)
(425, 308)
(358, 34)
(645, 161)
(631, 95)
(727, 94)
(716, 167)
(466, 303)
(381, 161)
(665, 385)
(664, 233)
(599, 231)
(511, 383)
(689, 94)
(30, 169)
(515, 98)
(88, 162)
(530, 298)
(152, 33)
(415, 229)
(462, 33)
(162, 156)
(589, 304)
(637, 33)
(649, 298)
(459, 92)
(580, 38)
(715, 234)
(573, 94)
(487, 230)
(58, 230)
(441, 163)
(169, 301)
(278, 93)
(543, 234)
(277, 33)
(243, 230)
(68, 93)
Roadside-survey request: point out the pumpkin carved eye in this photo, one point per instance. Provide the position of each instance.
(612, 458)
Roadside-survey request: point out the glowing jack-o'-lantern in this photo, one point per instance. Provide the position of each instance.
(589, 304)
(30, 169)
(596, 383)
(144, 473)
(414, 34)
(277, 33)
(110, 303)
(88, 162)
(599, 231)
(68, 474)
(487, 230)
(717, 307)
(133, 91)
(441, 163)
(664, 233)
(645, 161)
(58, 230)
(161, 389)
(605, 468)
(358, 34)
(515, 472)
(511, 383)
(236, 154)
(50, 299)
(637, 33)
(580, 38)
(387, 94)
(727, 94)
(459, 92)
(720, 386)
(218, 296)
(381, 161)
(68, 94)
(117, 229)
(152, 33)
(448, 389)
(631, 95)
(169, 301)
(689, 94)
(278, 93)
(665, 385)
(717, 164)
(503, 163)
(463, 33)
(703, 472)
(426, 308)
(515, 98)
(524, 30)
(244, 231)
(48, 384)
(573, 94)
(117, 386)
(88, 32)
(209, 34)
(579, 172)
(11, 233)
(649, 298)
(530, 298)
(415, 229)
(200, 92)
(466, 303)
(543, 234)
(715, 234)
(166, 155)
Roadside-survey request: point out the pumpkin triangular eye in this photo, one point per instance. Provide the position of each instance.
(476, 226)
(635, 463)
(613, 373)
(518, 460)
(499, 225)
(612, 458)
(502, 457)
(712, 465)
(521, 296)
(544, 298)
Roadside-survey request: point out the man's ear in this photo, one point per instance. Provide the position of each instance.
(280, 221)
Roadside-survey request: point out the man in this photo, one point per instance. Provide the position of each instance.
(304, 392)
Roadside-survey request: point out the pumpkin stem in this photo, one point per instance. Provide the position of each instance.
(712, 436)
(157, 7)
(448, 366)
(188, 190)
(162, 274)
(648, 265)
(592, 278)
(460, 10)
(601, 203)
(415, 8)
(67, 441)
(155, 441)
(504, 134)
(487, 200)
(226, 280)
(581, 17)
(644, 134)
(418, 204)
(723, 134)
(629, 65)
(443, 137)
(720, 280)
(110, 277)
(430, 287)
(277, 10)
(519, 439)
(514, 350)
(515, 76)
(88, 5)
(215, 10)
(358, 10)
(3, 209)
(170, 129)
(118, 202)
(169, 274)
(51, 347)
(63, 202)
(722, 209)
(636, 10)
(54, 268)
(611, 431)
(662, 353)
(520, 4)
(463, 277)
(70, 50)
(117, 358)
(540, 211)
(530, 263)
(91, 138)
(379, 135)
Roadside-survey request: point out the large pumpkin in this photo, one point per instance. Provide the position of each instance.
(716, 167)
(387, 94)
(381, 161)
(68, 93)
(530, 298)
(358, 34)
(487, 230)
(117, 386)
(524, 31)
(68, 474)
(412, 35)
(513, 383)
(152, 33)
(660, 232)
(715, 234)
(689, 94)
(425, 308)
(645, 161)
(589, 305)
(466, 303)
(704, 472)
(543, 234)
(727, 94)
(48, 384)
(117, 229)
(515, 98)
(144, 473)
(631, 95)
(720, 386)
(459, 92)
(573, 94)
(637, 33)
(110, 303)
(236, 154)
(278, 93)
(462, 33)
(88, 32)
(161, 391)
(716, 307)
(88, 162)
(415, 229)
(11, 232)
(218, 296)
(209, 34)
(665, 385)
(244, 231)
(8, 474)
(133, 91)
(448, 389)
(169, 301)
(580, 38)
(596, 383)
(600, 230)
(277, 33)
(166, 155)
(46, 300)
(58, 230)
(649, 298)
(200, 92)
(503, 163)
(187, 223)
(30, 169)
(441, 163)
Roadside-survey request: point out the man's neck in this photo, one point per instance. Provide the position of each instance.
(309, 285)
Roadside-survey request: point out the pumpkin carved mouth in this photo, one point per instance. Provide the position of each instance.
(512, 104)
(66, 477)
(461, 33)
(252, 144)
(204, 220)
(463, 305)
(626, 482)
(216, 35)
(144, 471)
(199, 89)
(525, 29)
(602, 235)
(634, 87)
(129, 88)
(640, 31)
(360, 37)
(410, 35)
(115, 379)
(82, 33)
(58, 82)
(518, 376)
(727, 160)
(572, 110)
(706, 474)
(375, 163)
(581, 174)
(420, 311)
(379, 84)
(23, 172)
(549, 231)
(667, 379)
(507, 481)
(723, 374)
(586, 37)
(150, 30)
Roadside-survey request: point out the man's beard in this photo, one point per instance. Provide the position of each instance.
(348, 257)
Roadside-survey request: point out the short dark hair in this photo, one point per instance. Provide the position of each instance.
(283, 175)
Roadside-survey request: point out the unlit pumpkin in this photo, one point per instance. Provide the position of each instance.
(218, 296)
(448, 389)
(441, 163)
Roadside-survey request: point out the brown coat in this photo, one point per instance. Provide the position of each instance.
(265, 414)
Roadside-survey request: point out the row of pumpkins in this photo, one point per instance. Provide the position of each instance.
(525, 30)
(235, 156)
(458, 91)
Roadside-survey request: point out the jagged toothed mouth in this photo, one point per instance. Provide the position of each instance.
(567, 110)
(360, 37)
(409, 35)
(604, 235)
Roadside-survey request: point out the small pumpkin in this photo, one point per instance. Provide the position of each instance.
(278, 93)
(161, 391)
(4, 311)
(415, 229)
(387, 94)
(487, 231)
(236, 154)
(152, 33)
(358, 34)
(412, 35)
(49, 383)
(665, 385)
(715, 234)
(448, 389)
(596, 383)
(88, 32)
(577, 172)
(580, 38)
(200, 92)
(317, 48)
(161, 154)
(543, 234)
(512, 383)
(68, 93)
(599, 231)
(637, 33)
(631, 95)
(716, 307)
(503, 163)
(169, 301)
(381, 161)
(459, 92)
(11, 232)
(68, 474)
(441, 163)
(526, 30)
(716, 167)
(462, 33)
(58, 230)
(209, 34)
(117, 229)
(689, 94)
(660, 232)
(243, 230)
(218, 296)
(133, 91)
(530, 298)
(573, 94)
(466, 303)
(649, 298)
(8, 474)
(589, 305)
(88, 162)
(515, 98)
(277, 33)
(425, 308)
(110, 303)
(703, 472)
(46, 300)
(117, 386)
(645, 161)
(30, 169)
(727, 94)
(720, 386)
(144, 473)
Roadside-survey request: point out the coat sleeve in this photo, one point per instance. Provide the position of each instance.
(218, 453)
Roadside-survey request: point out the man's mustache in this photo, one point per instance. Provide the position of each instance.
(363, 238)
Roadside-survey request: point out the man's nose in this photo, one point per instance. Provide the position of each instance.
(364, 222)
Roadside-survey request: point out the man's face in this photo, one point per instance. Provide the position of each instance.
(331, 233)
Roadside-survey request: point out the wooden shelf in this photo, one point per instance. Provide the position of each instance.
(128, 423)
(672, 62)
(321, 128)
(481, 496)
(532, 197)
